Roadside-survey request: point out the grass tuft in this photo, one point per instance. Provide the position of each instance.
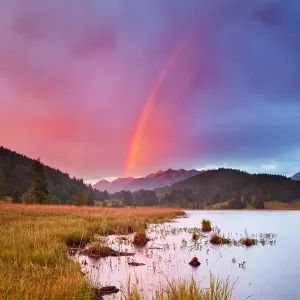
(100, 249)
(218, 240)
(206, 225)
(249, 242)
(77, 239)
(140, 239)
(183, 290)
(195, 236)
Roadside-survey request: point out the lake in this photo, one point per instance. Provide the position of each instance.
(271, 271)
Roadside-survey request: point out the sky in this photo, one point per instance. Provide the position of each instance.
(102, 88)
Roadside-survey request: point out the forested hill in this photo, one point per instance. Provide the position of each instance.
(17, 170)
(235, 188)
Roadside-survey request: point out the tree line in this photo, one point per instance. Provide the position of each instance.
(231, 188)
(137, 198)
(22, 177)
(29, 181)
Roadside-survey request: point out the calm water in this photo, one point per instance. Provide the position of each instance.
(270, 272)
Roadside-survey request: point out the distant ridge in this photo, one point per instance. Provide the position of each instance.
(151, 181)
(296, 176)
(113, 186)
(229, 185)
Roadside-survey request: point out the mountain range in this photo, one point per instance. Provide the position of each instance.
(150, 182)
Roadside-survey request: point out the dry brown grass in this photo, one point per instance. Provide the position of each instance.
(33, 260)
(276, 205)
(85, 210)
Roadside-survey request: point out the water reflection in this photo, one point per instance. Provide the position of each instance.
(263, 271)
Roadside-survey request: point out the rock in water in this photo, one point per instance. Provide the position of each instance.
(107, 290)
(135, 264)
(194, 262)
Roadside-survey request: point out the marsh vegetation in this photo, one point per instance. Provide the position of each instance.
(33, 246)
(206, 225)
(35, 239)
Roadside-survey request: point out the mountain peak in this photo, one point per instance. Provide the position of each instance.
(124, 179)
(296, 176)
(158, 172)
(103, 181)
(154, 174)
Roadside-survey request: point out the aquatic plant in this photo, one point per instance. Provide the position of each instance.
(195, 236)
(181, 289)
(98, 249)
(206, 225)
(183, 243)
(140, 239)
(101, 249)
(217, 240)
(249, 242)
(242, 265)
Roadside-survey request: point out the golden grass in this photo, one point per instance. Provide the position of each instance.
(7, 199)
(271, 205)
(220, 205)
(276, 205)
(33, 259)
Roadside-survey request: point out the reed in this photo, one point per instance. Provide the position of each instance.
(183, 290)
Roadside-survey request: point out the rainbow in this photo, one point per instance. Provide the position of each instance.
(149, 103)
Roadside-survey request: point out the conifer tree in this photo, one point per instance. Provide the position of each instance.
(79, 199)
(90, 201)
(16, 196)
(38, 182)
(3, 187)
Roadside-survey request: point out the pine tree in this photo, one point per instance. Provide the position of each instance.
(52, 199)
(258, 199)
(38, 182)
(3, 186)
(236, 202)
(79, 199)
(16, 196)
(90, 201)
(28, 197)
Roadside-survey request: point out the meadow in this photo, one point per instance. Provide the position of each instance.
(268, 205)
(33, 254)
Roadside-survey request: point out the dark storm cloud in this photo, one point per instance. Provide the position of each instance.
(231, 95)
